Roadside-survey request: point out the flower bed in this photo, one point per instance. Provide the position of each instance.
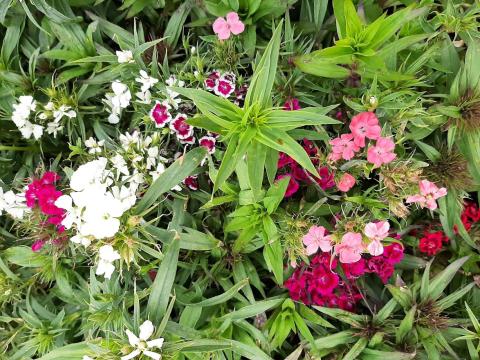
(239, 180)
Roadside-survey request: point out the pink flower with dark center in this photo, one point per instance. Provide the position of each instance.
(291, 104)
(364, 125)
(429, 193)
(382, 152)
(346, 182)
(188, 141)
(326, 179)
(343, 147)
(225, 27)
(191, 182)
(224, 88)
(180, 126)
(292, 187)
(317, 238)
(208, 142)
(160, 114)
(351, 247)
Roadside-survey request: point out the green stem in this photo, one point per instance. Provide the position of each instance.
(17, 148)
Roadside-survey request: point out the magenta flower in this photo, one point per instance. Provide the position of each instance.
(38, 245)
(292, 187)
(365, 125)
(224, 87)
(382, 152)
(160, 115)
(291, 104)
(429, 193)
(317, 238)
(343, 147)
(225, 27)
(326, 179)
(351, 248)
(346, 182)
(180, 126)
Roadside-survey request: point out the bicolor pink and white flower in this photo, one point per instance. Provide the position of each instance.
(350, 248)
(429, 193)
(160, 114)
(208, 142)
(365, 125)
(224, 87)
(224, 27)
(317, 238)
(180, 127)
(382, 152)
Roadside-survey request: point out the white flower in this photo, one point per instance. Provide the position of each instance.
(100, 217)
(80, 239)
(119, 163)
(141, 343)
(127, 140)
(152, 157)
(85, 357)
(158, 171)
(144, 97)
(30, 129)
(105, 265)
(122, 94)
(125, 56)
(146, 81)
(22, 110)
(54, 128)
(62, 111)
(94, 146)
(172, 95)
(193, 50)
(126, 196)
(88, 174)
(13, 204)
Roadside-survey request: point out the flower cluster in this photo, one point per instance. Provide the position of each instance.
(13, 204)
(117, 101)
(298, 175)
(56, 114)
(222, 84)
(21, 115)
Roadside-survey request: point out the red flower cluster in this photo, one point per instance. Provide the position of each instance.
(431, 242)
(319, 284)
(42, 194)
(470, 215)
(298, 174)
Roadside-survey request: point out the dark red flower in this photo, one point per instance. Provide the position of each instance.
(431, 242)
(393, 253)
(326, 178)
(191, 182)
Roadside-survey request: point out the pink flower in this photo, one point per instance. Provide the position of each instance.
(189, 140)
(354, 270)
(291, 104)
(364, 125)
(351, 248)
(393, 253)
(346, 182)
(160, 114)
(429, 192)
(325, 281)
(317, 238)
(211, 81)
(224, 87)
(292, 187)
(343, 147)
(208, 142)
(376, 232)
(180, 127)
(326, 180)
(382, 152)
(284, 160)
(37, 245)
(225, 27)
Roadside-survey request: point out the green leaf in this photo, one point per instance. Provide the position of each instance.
(281, 141)
(356, 349)
(442, 279)
(370, 354)
(406, 325)
(173, 175)
(162, 286)
(219, 299)
(263, 78)
(452, 298)
(340, 338)
(253, 309)
(73, 352)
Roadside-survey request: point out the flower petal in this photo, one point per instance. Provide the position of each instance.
(152, 355)
(132, 338)
(146, 330)
(133, 354)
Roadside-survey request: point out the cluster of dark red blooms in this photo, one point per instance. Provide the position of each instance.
(432, 241)
(319, 284)
(41, 194)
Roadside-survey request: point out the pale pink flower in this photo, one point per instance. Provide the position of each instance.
(429, 193)
(376, 232)
(346, 182)
(382, 152)
(351, 248)
(317, 238)
(225, 27)
(343, 147)
(365, 125)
